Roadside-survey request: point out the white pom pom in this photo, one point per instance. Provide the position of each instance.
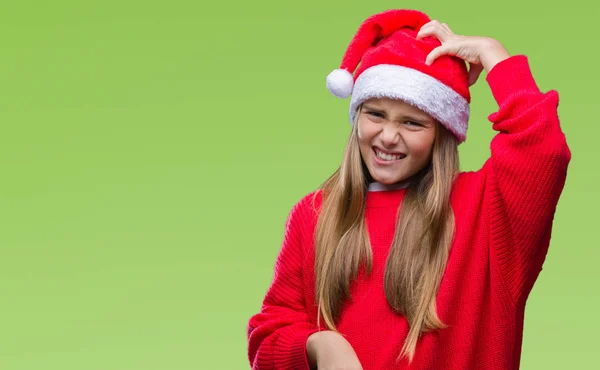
(340, 83)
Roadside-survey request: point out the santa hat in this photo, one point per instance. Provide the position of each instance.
(392, 64)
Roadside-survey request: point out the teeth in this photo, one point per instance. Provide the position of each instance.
(388, 157)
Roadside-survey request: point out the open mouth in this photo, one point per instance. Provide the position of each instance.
(387, 156)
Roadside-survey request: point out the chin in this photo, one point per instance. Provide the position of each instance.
(387, 180)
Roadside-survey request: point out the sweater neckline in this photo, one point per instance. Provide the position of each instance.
(377, 186)
(383, 195)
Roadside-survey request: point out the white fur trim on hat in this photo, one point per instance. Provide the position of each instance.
(416, 88)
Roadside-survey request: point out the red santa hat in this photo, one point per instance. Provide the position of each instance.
(392, 64)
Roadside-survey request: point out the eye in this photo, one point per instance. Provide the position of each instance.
(413, 124)
(375, 114)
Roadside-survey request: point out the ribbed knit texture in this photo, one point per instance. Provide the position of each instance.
(504, 215)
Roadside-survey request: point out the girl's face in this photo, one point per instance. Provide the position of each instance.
(395, 139)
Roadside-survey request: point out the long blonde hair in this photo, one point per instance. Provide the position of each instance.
(420, 248)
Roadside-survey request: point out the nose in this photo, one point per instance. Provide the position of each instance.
(390, 135)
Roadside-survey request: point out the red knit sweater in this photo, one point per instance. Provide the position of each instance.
(504, 214)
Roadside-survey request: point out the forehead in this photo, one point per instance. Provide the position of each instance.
(395, 106)
(390, 103)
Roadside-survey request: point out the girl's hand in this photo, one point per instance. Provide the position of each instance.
(481, 52)
(328, 350)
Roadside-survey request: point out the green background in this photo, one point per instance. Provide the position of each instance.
(151, 151)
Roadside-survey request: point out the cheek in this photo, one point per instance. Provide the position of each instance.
(365, 132)
(420, 145)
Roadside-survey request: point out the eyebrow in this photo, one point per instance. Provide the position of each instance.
(404, 116)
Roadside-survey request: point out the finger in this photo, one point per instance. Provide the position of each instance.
(445, 49)
(445, 25)
(432, 22)
(434, 25)
(474, 73)
(435, 31)
(433, 28)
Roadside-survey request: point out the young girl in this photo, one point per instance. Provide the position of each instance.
(400, 261)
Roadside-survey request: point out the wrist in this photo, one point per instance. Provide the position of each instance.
(319, 340)
(493, 54)
(311, 348)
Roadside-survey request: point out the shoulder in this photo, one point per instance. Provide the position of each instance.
(307, 207)
(468, 178)
(302, 219)
(469, 183)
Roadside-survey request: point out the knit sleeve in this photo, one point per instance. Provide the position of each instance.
(525, 174)
(277, 335)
